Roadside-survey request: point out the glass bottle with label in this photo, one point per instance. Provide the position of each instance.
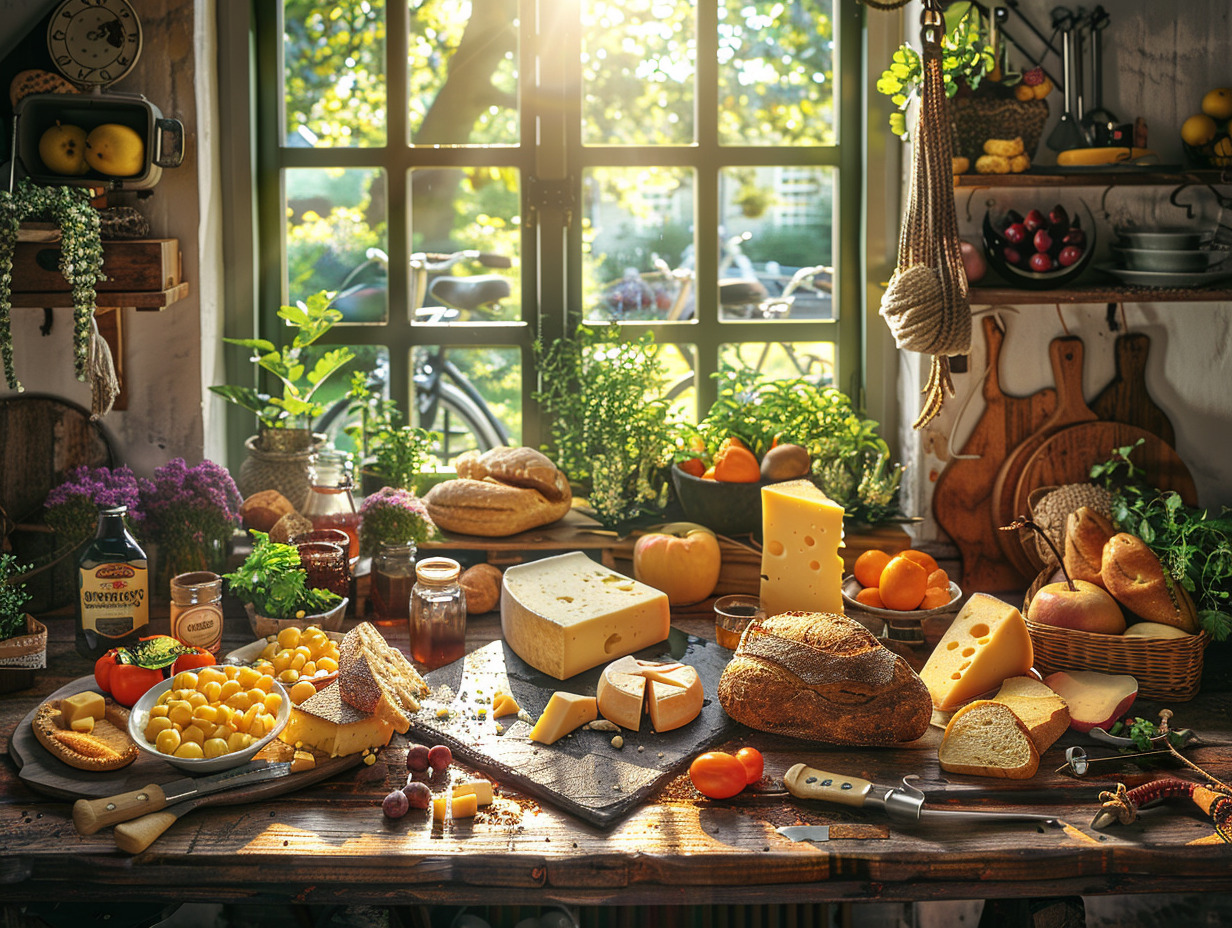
(113, 588)
(330, 504)
(393, 575)
(438, 613)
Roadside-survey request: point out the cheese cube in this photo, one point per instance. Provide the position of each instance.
(987, 643)
(302, 760)
(563, 713)
(464, 806)
(802, 530)
(331, 726)
(82, 705)
(566, 614)
(480, 789)
(439, 810)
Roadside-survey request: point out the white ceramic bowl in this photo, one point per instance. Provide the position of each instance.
(139, 716)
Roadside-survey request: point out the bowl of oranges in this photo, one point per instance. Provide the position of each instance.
(1207, 136)
(906, 590)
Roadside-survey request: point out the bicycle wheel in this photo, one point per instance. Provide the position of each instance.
(462, 425)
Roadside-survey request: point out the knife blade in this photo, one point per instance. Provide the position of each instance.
(903, 804)
(90, 815)
(836, 832)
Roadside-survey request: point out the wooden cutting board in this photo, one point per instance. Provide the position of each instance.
(582, 773)
(1066, 355)
(963, 494)
(1126, 398)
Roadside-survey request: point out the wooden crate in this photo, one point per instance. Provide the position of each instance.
(131, 267)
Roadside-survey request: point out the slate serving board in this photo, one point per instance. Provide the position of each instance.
(582, 774)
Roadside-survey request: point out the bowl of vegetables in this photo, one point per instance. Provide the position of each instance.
(273, 585)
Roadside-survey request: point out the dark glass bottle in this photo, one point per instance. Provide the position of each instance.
(113, 588)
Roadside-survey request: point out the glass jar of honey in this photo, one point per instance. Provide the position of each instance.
(438, 613)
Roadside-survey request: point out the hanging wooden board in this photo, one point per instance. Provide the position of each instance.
(1126, 398)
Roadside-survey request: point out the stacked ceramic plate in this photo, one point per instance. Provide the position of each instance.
(1168, 258)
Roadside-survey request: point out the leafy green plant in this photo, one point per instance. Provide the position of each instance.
(1141, 731)
(1194, 547)
(396, 453)
(393, 516)
(310, 319)
(13, 598)
(274, 581)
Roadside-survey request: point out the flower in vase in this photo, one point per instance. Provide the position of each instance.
(190, 512)
(393, 516)
(72, 507)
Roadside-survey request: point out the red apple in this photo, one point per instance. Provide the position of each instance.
(1042, 240)
(680, 558)
(1069, 255)
(1057, 216)
(1086, 607)
(1015, 233)
(1040, 262)
(1035, 220)
(1012, 256)
(1095, 700)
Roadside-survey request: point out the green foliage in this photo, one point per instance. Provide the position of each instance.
(1194, 547)
(311, 320)
(274, 581)
(1141, 731)
(395, 452)
(13, 598)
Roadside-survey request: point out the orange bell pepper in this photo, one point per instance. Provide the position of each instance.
(734, 463)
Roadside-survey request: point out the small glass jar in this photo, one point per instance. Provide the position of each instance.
(326, 566)
(330, 503)
(438, 613)
(731, 615)
(196, 610)
(393, 576)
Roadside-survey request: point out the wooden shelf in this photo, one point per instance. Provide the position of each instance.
(1123, 177)
(988, 296)
(144, 301)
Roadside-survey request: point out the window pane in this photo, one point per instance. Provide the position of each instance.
(776, 72)
(336, 238)
(638, 243)
(638, 68)
(372, 361)
(472, 396)
(463, 73)
(813, 361)
(680, 367)
(776, 221)
(334, 60)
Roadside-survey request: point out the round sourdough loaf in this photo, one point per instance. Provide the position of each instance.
(823, 677)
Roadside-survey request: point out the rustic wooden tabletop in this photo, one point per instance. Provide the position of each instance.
(331, 843)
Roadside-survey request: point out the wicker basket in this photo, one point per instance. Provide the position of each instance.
(1167, 669)
(978, 119)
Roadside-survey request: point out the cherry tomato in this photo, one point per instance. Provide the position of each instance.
(752, 761)
(199, 657)
(717, 775)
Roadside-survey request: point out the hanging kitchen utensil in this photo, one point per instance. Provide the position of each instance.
(1066, 134)
(1126, 398)
(1099, 124)
(925, 304)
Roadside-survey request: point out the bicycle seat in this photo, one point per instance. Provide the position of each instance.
(739, 292)
(470, 292)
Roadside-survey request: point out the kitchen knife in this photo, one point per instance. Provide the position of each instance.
(835, 832)
(903, 804)
(89, 815)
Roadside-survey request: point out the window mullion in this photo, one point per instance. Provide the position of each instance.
(398, 233)
(706, 204)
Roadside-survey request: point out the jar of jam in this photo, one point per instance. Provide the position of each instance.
(438, 613)
(330, 503)
(393, 576)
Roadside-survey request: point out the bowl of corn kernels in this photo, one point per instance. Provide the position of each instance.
(303, 660)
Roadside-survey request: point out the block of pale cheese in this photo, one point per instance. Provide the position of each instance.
(81, 706)
(563, 713)
(802, 530)
(324, 722)
(566, 614)
(480, 789)
(987, 643)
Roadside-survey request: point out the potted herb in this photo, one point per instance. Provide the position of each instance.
(273, 586)
(392, 454)
(393, 516)
(23, 639)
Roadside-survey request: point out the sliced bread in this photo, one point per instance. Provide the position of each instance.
(986, 739)
(377, 679)
(1042, 711)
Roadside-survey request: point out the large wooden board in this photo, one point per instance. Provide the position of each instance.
(1126, 398)
(582, 773)
(962, 498)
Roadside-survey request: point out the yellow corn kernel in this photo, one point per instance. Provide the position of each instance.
(272, 702)
(309, 669)
(288, 637)
(263, 666)
(159, 711)
(239, 741)
(205, 714)
(282, 660)
(210, 675)
(179, 695)
(185, 680)
(215, 747)
(298, 662)
(193, 733)
(165, 698)
(239, 701)
(229, 689)
(328, 664)
(248, 677)
(268, 652)
(259, 726)
(252, 713)
(266, 682)
(196, 699)
(212, 691)
(230, 670)
(167, 741)
(301, 691)
(223, 731)
(189, 750)
(155, 726)
(180, 712)
(288, 676)
(255, 695)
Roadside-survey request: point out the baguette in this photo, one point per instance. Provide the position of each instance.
(1086, 533)
(1136, 579)
(823, 677)
(986, 739)
(490, 508)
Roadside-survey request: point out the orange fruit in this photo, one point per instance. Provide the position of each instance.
(939, 580)
(870, 596)
(708, 473)
(924, 560)
(869, 565)
(903, 583)
(735, 463)
(1218, 103)
(935, 598)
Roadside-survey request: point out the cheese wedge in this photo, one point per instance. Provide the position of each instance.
(675, 697)
(621, 693)
(987, 643)
(802, 529)
(504, 704)
(563, 713)
(671, 693)
(566, 614)
(329, 725)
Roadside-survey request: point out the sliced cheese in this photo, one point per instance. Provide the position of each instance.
(333, 727)
(80, 706)
(563, 713)
(675, 697)
(504, 704)
(987, 642)
(621, 693)
(802, 530)
(671, 693)
(566, 614)
(464, 806)
(480, 789)
(84, 724)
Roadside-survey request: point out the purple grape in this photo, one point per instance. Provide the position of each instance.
(439, 758)
(395, 804)
(417, 758)
(418, 796)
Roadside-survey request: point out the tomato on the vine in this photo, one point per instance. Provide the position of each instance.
(130, 682)
(752, 761)
(717, 775)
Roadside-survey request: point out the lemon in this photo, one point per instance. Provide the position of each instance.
(1198, 130)
(1218, 103)
(1223, 152)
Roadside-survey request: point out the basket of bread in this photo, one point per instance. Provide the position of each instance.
(1106, 603)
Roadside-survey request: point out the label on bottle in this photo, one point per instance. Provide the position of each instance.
(114, 600)
(198, 626)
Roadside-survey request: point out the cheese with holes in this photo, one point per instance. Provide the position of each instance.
(987, 643)
(671, 693)
(81, 706)
(563, 713)
(802, 530)
(324, 722)
(566, 614)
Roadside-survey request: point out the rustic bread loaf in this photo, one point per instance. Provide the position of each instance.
(490, 508)
(823, 677)
(482, 586)
(1086, 533)
(377, 679)
(1044, 714)
(517, 467)
(261, 511)
(986, 739)
(1134, 576)
(288, 527)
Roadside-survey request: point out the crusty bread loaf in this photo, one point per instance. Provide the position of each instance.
(1086, 533)
(823, 677)
(1136, 579)
(986, 739)
(490, 508)
(1042, 711)
(376, 678)
(517, 467)
(261, 511)
(288, 527)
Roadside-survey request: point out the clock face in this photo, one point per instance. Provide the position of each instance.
(94, 41)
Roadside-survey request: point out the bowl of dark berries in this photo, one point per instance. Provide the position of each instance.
(1039, 251)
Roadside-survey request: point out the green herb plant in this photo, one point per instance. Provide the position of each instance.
(389, 449)
(1194, 547)
(13, 598)
(274, 581)
(1141, 731)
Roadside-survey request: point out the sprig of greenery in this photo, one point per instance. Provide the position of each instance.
(1194, 547)
(13, 597)
(395, 452)
(274, 581)
(1141, 731)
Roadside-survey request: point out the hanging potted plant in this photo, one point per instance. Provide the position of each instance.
(23, 639)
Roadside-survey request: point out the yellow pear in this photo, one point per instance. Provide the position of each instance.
(63, 149)
(115, 150)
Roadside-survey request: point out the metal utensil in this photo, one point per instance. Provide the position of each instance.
(903, 804)
(837, 832)
(1066, 134)
(1099, 123)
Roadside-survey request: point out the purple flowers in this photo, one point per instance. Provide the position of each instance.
(185, 508)
(393, 516)
(72, 507)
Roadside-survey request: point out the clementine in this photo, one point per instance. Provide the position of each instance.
(870, 596)
(922, 558)
(903, 583)
(869, 565)
(940, 580)
(935, 598)
(734, 463)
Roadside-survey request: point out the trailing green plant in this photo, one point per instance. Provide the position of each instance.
(13, 597)
(395, 452)
(275, 582)
(311, 320)
(1194, 547)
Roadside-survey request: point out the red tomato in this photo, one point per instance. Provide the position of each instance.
(102, 669)
(130, 682)
(693, 466)
(200, 657)
(753, 763)
(717, 775)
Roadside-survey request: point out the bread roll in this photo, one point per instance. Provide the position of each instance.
(986, 739)
(823, 677)
(517, 467)
(1086, 533)
(261, 511)
(489, 508)
(288, 527)
(1134, 576)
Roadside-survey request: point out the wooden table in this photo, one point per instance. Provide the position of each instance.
(331, 844)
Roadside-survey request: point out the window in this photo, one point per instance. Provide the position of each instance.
(661, 164)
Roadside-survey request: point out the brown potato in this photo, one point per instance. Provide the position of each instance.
(482, 585)
(785, 462)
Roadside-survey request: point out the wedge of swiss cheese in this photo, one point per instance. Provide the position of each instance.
(987, 643)
(802, 530)
(327, 724)
(670, 693)
(566, 614)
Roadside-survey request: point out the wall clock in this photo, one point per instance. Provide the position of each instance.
(94, 41)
